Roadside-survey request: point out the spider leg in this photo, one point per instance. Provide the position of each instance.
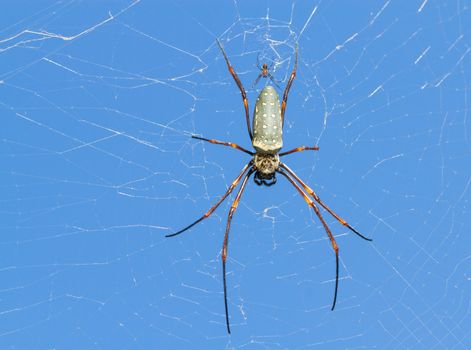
(326, 227)
(257, 80)
(299, 149)
(258, 61)
(214, 207)
(318, 200)
(226, 240)
(241, 88)
(230, 144)
(288, 86)
(273, 80)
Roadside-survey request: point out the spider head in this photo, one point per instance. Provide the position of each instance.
(265, 165)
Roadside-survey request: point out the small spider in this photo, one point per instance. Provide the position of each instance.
(265, 73)
(267, 141)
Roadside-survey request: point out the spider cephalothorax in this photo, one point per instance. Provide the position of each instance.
(267, 140)
(266, 165)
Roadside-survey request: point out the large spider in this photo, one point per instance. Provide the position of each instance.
(267, 141)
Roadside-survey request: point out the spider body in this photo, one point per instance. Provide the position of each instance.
(267, 124)
(264, 70)
(266, 136)
(265, 165)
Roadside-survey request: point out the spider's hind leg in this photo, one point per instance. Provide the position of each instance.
(240, 86)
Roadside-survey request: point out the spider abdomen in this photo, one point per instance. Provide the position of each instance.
(267, 126)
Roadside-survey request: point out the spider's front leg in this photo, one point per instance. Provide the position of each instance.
(226, 241)
(326, 227)
(318, 200)
(292, 178)
(214, 207)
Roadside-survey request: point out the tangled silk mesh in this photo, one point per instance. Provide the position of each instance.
(98, 105)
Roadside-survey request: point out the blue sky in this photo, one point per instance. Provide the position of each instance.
(99, 101)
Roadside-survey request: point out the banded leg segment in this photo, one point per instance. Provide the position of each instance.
(299, 149)
(288, 86)
(318, 200)
(226, 241)
(241, 88)
(223, 143)
(326, 227)
(214, 207)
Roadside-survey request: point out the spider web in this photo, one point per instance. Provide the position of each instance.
(98, 105)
